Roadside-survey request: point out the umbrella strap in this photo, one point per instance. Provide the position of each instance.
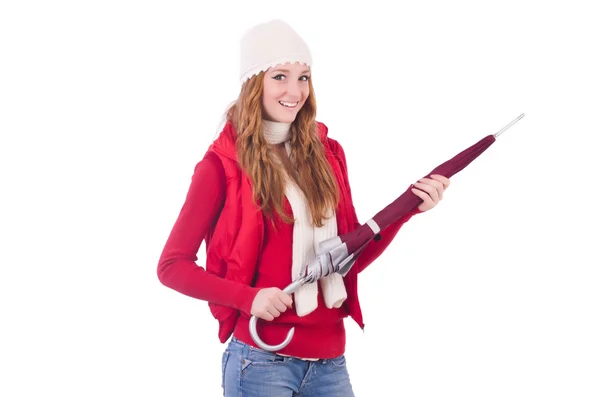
(374, 226)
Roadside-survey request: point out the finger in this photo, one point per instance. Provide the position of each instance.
(430, 181)
(445, 181)
(273, 311)
(289, 302)
(286, 299)
(265, 315)
(431, 190)
(279, 305)
(439, 187)
(426, 199)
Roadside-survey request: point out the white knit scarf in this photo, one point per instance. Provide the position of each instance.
(306, 238)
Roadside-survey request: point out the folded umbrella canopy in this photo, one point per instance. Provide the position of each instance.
(338, 254)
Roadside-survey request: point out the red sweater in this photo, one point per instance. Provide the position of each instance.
(177, 269)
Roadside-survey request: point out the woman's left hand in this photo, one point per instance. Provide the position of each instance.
(430, 190)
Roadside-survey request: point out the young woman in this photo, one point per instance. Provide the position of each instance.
(271, 187)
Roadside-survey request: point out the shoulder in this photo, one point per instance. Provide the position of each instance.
(210, 168)
(332, 144)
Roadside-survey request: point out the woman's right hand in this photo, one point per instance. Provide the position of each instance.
(270, 303)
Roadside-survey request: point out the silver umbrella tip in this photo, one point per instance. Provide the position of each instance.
(497, 134)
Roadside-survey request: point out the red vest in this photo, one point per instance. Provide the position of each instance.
(233, 243)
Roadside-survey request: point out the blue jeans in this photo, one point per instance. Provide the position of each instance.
(252, 372)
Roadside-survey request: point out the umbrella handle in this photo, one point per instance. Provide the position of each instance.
(293, 287)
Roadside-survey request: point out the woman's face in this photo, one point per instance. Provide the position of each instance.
(285, 90)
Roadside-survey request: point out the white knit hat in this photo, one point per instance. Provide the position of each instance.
(270, 44)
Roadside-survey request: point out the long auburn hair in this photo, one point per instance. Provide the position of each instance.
(311, 170)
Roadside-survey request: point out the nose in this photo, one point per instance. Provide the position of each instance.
(293, 89)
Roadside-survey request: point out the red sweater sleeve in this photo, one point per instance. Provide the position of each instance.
(177, 268)
(376, 246)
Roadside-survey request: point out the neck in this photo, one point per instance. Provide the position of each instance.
(276, 132)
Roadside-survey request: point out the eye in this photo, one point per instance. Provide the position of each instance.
(304, 78)
(279, 77)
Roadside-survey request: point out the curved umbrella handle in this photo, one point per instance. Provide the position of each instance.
(293, 287)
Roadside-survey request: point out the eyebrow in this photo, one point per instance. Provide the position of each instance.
(288, 71)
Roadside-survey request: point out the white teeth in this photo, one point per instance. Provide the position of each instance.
(288, 104)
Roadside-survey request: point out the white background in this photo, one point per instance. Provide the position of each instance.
(106, 107)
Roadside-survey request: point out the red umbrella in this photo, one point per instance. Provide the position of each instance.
(338, 254)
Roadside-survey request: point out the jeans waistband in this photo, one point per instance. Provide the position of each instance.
(236, 340)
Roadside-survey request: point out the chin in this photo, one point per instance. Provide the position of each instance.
(287, 119)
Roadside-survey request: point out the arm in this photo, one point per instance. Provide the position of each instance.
(376, 246)
(177, 268)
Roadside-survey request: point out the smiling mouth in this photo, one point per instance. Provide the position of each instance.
(290, 105)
